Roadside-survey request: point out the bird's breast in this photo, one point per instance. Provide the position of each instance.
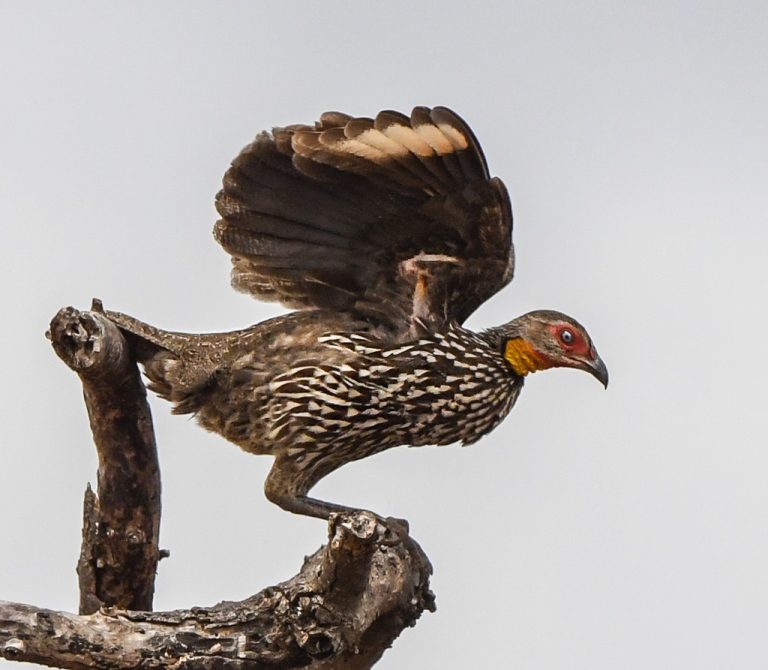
(437, 390)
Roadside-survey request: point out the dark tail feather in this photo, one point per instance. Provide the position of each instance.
(176, 378)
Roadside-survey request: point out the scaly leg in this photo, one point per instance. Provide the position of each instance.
(287, 487)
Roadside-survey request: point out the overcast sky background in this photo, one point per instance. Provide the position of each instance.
(593, 530)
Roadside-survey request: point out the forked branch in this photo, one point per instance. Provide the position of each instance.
(345, 607)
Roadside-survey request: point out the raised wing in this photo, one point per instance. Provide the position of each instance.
(392, 218)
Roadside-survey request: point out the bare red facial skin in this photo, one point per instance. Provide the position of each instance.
(578, 346)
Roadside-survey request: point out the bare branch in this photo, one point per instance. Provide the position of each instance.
(348, 603)
(121, 525)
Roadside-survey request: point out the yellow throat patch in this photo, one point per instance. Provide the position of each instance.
(523, 357)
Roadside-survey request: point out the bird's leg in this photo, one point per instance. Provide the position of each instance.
(285, 486)
(301, 504)
(288, 483)
(428, 274)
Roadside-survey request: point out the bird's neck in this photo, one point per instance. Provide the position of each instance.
(520, 354)
(523, 358)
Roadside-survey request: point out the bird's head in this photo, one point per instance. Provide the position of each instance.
(543, 339)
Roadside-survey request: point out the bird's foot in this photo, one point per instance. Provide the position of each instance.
(391, 530)
(396, 530)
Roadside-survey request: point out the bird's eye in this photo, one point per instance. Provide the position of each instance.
(566, 336)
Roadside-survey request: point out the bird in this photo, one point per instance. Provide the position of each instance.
(382, 235)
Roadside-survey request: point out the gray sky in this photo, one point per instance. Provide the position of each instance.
(593, 530)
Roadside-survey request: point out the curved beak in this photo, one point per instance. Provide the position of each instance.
(598, 370)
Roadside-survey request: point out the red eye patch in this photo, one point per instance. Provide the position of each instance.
(570, 339)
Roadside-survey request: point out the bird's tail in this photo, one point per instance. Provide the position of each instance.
(172, 362)
(147, 340)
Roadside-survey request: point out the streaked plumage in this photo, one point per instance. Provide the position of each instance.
(384, 234)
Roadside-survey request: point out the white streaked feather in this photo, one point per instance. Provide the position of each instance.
(378, 140)
(408, 138)
(361, 149)
(455, 137)
(432, 136)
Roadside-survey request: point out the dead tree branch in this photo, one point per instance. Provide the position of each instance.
(121, 525)
(348, 603)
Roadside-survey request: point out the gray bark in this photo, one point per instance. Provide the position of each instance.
(121, 525)
(345, 607)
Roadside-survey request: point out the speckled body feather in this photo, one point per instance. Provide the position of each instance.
(319, 400)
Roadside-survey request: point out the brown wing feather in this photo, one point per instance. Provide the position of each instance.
(392, 218)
